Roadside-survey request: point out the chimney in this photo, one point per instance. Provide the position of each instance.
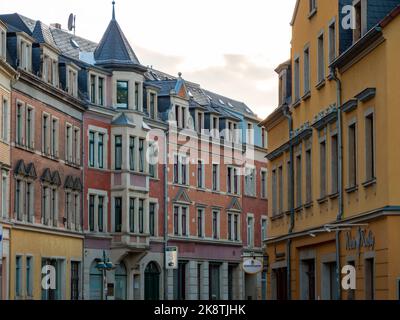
(56, 25)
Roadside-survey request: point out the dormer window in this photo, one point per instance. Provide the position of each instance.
(72, 82)
(214, 127)
(122, 94)
(50, 68)
(359, 25)
(3, 43)
(97, 92)
(200, 122)
(181, 116)
(152, 105)
(25, 55)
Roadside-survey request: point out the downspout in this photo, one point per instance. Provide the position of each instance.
(165, 169)
(340, 175)
(288, 115)
(83, 161)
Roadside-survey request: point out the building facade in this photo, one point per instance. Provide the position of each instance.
(112, 161)
(332, 154)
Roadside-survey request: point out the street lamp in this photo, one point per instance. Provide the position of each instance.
(105, 265)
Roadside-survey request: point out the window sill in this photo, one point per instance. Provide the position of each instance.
(201, 189)
(306, 96)
(330, 77)
(296, 103)
(309, 205)
(320, 84)
(26, 148)
(278, 217)
(352, 189)
(369, 183)
(50, 157)
(299, 209)
(322, 200)
(334, 195)
(73, 165)
(312, 13)
(180, 185)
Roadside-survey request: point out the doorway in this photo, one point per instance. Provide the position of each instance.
(152, 282)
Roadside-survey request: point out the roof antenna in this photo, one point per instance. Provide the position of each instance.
(113, 12)
(71, 22)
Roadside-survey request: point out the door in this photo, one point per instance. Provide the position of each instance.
(95, 283)
(214, 281)
(281, 283)
(152, 282)
(120, 282)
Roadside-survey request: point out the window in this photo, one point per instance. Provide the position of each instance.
(45, 134)
(369, 279)
(321, 59)
(233, 231)
(250, 231)
(215, 224)
(181, 170)
(132, 153)
(360, 21)
(215, 127)
(214, 281)
(122, 94)
(3, 44)
(152, 219)
(200, 123)
(184, 221)
(296, 79)
(306, 71)
(370, 147)
(264, 185)
(298, 181)
(250, 134)
(233, 180)
(75, 280)
(73, 82)
(77, 146)
(282, 91)
(25, 55)
(100, 213)
(250, 182)
(93, 89)
(91, 213)
(215, 177)
(176, 221)
(141, 216)
(4, 121)
(264, 229)
(153, 160)
(200, 221)
(274, 193)
(181, 220)
(308, 176)
(29, 277)
(57, 293)
(101, 91)
(132, 215)
(18, 200)
(183, 124)
(152, 106)
(180, 282)
(19, 127)
(4, 195)
(280, 189)
(18, 276)
(68, 143)
(230, 223)
(332, 41)
(54, 137)
(118, 152)
(91, 149)
(352, 155)
(263, 138)
(334, 164)
(200, 174)
(137, 91)
(76, 212)
(313, 6)
(100, 151)
(30, 127)
(322, 168)
(118, 214)
(141, 155)
(236, 227)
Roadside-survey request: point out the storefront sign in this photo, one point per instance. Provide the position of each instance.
(363, 239)
(171, 257)
(252, 266)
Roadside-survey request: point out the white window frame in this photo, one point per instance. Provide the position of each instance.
(98, 193)
(266, 184)
(97, 131)
(5, 120)
(250, 216)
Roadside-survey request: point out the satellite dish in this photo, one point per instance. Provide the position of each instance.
(71, 22)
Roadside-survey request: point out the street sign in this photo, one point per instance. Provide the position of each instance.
(252, 266)
(171, 258)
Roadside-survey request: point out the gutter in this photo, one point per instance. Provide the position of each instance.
(288, 115)
(340, 175)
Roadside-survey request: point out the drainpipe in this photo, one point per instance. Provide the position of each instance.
(288, 115)
(165, 169)
(340, 174)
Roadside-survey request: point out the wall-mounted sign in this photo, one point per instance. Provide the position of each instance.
(363, 239)
(252, 266)
(171, 258)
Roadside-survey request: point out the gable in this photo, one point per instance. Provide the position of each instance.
(182, 197)
(234, 205)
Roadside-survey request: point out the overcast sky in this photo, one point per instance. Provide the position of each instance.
(228, 46)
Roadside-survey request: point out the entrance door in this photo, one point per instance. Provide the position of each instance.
(152, 282)
(95, 283)
(310, 277)
(281, 283)
(214, 281)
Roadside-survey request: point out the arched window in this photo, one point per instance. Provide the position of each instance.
(95, 282)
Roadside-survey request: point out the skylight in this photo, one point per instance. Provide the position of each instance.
(209, 98)
(190, 94)
(221, 102)
(74, 44)
(230, 104)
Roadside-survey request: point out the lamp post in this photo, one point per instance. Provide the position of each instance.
(104, 265)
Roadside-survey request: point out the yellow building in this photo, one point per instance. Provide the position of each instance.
(7, 75)
(335, 199)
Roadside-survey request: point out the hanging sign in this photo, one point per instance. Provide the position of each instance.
(171, 258)
(252, 266)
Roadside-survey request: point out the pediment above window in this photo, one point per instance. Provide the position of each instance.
(20, 168)
(182, 197)
(56, 180)
(69, 183)
(31, 171)
(46, 176)
(234, 205)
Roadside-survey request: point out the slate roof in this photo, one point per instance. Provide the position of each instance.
(114, 48)
(123, 120)
(42, 34)
(19, 22)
